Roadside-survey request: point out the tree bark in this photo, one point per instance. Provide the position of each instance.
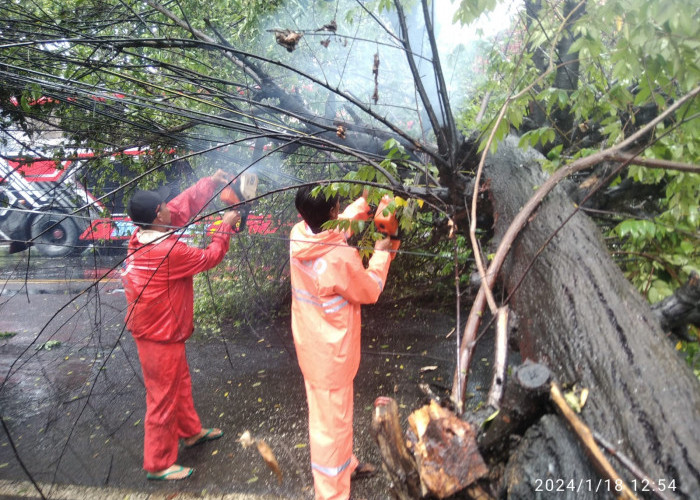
(584, 320)
(397, 462)
(547, 458)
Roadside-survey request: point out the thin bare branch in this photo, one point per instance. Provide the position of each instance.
(654, 163)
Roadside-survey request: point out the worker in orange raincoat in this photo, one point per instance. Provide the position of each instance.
(329, 283)
(157, 280)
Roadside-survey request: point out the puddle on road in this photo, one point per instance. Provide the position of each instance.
(40, 381)
(19, 267)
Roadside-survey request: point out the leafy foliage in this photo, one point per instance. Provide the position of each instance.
(207, 80)
(635, 57)
(469, 10)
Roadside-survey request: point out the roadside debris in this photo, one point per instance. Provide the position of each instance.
(265, 451)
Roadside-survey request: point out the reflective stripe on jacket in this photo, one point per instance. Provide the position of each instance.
(157, 276)
(329, 283)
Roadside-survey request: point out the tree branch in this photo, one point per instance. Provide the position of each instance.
(520, 220)
(585, 436)
(621, 157)
(442, 88)
(406, 42)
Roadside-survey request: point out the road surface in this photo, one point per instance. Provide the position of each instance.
(72, 398)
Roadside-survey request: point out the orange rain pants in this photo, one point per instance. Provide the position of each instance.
(170, 413)
(330, 422)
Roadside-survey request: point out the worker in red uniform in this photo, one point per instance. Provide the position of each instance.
(329, 284)
(158, 283)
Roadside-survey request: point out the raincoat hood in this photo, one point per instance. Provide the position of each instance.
(305, 245)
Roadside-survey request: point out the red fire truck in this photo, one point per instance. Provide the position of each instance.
(51, 207)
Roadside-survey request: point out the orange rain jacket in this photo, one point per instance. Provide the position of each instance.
(329, 284)
(157, 277)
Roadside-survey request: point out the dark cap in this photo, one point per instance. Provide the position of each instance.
(143, 205)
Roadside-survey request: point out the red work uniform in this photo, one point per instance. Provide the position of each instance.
(157, 280)
(329, 283)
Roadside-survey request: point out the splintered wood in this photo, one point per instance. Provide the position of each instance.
(445, 450)
(440, 456)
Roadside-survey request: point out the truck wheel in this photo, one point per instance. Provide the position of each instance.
(54, 235)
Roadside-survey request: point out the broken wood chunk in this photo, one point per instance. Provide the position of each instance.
(269, 458)
(445, 450)
(247, 440)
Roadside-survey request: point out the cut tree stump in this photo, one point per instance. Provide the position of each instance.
(525, 401)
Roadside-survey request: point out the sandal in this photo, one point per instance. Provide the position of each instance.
(209, 435)
(168, 475)
(363, 471)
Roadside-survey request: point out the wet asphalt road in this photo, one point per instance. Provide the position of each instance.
(73, 401)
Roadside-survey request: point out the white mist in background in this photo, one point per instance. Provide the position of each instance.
(357, 75)
(486, 26)
(364, 42)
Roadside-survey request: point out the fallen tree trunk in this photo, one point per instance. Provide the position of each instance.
(580, 317)
(547, 456)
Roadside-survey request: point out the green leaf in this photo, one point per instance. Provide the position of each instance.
(490, 417)
(24, 104)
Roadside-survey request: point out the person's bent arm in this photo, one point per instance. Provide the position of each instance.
(357, 210)
(360, 285)
(188, 261)
(193, 199)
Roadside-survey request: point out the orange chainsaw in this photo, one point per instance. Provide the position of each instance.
(386, 222)
(243, 188)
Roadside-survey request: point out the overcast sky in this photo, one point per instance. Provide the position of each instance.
(490, 23)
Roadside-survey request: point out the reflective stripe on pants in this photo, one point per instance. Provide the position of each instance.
(330, 436)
